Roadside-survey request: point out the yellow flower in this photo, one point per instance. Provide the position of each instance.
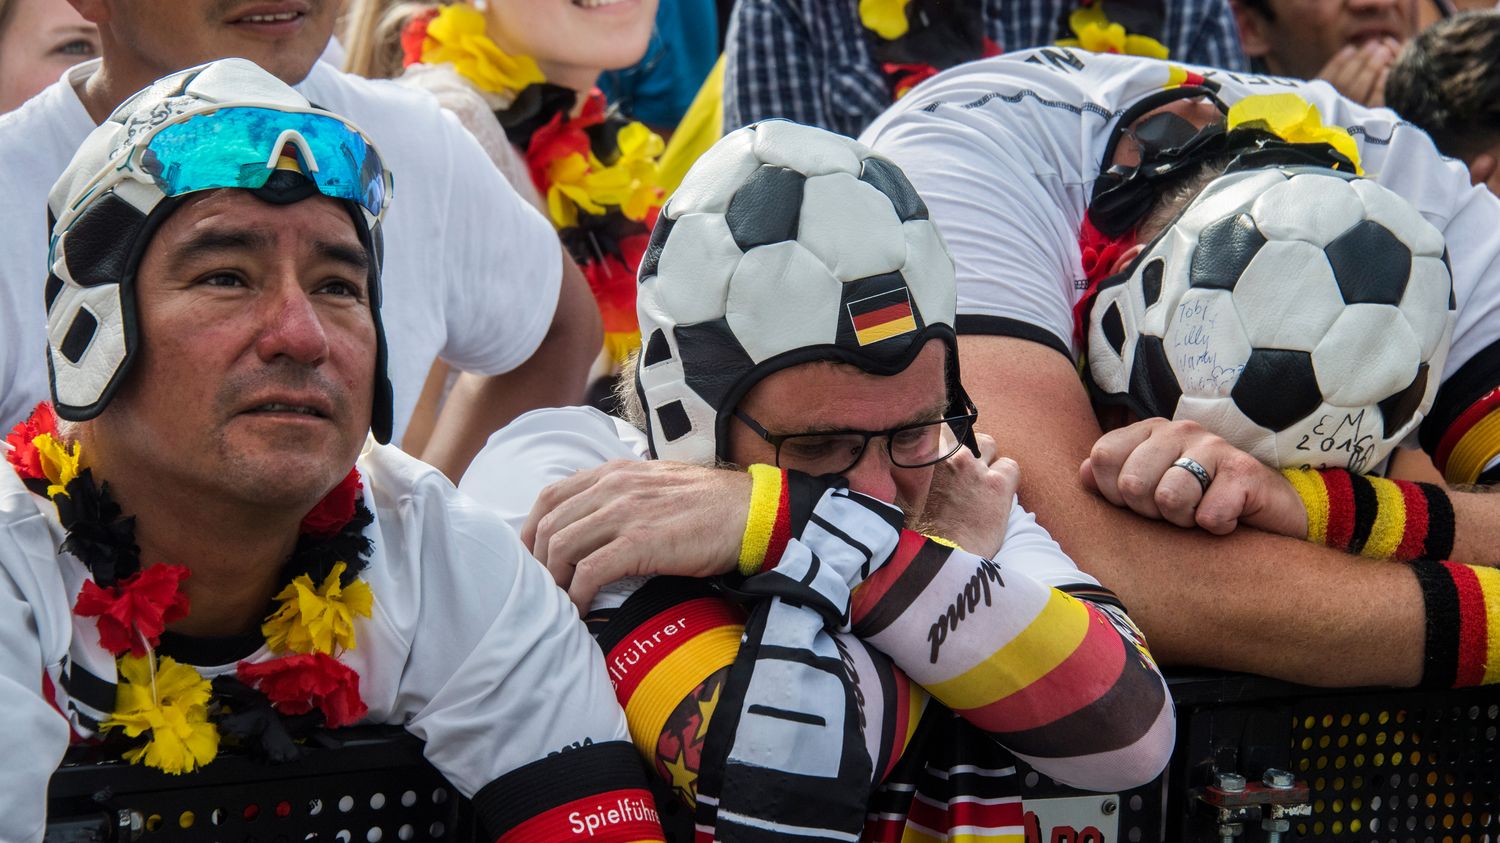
(315, 619)
(59, 462)
(568, 190)
(1097, 34)
(639, 150)
(886, 17)
(1293, 119)
(174, 709)
(631, 183)
(456, 36)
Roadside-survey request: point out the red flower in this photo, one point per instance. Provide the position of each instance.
(560, 137)
(414, 35)
(21, 453)
(335, 509)
(298, 684)
(134, 612)
(904, 77)
(613, 285)
(1099, 254)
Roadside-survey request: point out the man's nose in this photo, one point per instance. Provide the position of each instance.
(874, 474)
(291, 326)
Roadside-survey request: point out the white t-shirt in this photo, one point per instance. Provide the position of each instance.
(1005, 152)
(471, 646)
(544, 446)
(471, 270)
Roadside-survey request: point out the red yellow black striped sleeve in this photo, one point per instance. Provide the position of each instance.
(1066, 683)
(1462, 429)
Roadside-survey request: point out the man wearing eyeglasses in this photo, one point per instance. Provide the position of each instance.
(793, 655)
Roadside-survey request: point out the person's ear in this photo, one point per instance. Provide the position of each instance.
(1482, 169)
(1125, 257)
(1252, 26)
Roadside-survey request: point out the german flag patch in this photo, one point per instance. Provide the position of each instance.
(882, 316)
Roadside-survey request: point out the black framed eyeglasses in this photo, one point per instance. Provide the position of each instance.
(836, 452)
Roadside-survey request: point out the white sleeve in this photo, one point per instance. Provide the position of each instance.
(540, 448)
(503, 263)
(1008, 212)
(502, 673)
(1030, 549)
(36, 735)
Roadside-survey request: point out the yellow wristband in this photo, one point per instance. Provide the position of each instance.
(765, 501)
(1314, 495)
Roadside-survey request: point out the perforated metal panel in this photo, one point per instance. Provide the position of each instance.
(376, 788)
(1382, 765)
(1399, 768)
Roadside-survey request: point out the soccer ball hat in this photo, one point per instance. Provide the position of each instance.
(226, 124)
(784, 244)
(1301, 313)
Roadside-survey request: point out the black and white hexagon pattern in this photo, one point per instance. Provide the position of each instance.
(774, 220)
(1312, 308)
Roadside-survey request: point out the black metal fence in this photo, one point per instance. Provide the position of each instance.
(1256, 761)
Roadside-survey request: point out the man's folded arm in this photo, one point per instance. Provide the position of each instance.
(1065, 683)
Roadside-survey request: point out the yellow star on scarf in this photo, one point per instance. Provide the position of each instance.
(683, 779)
(706, 712)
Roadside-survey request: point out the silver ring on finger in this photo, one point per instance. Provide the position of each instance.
(1196, 469)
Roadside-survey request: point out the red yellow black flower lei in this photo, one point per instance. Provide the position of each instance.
(597, 171)
(166, 714)
(915, 39)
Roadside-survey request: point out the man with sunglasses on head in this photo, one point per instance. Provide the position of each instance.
(475, 275)
(793, 654)
(204, 550)
(1049, 171)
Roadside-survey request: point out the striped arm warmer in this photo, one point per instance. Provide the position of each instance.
(1375, 517)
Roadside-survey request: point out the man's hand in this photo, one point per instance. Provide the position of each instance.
(1133, 467)
(1359, 71)
(971, 498)
(629, 518)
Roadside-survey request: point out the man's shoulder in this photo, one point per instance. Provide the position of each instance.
(407, 494)
(373, 104)
(570, 438)
(29, 541)
(36, 142)
(540, 448)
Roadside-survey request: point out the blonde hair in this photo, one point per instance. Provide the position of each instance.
(372, 35)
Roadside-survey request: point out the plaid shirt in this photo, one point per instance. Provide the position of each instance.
(811, 61)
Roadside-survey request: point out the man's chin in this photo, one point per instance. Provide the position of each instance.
(287, 469)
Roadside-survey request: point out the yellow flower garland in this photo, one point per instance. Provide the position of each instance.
(456, 35)
(169, 700)
(886, 17)
(1098, 34)
(59, 462)
(1293, 119)
(317, 619)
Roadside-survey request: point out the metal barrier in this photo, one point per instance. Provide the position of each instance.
(374, 788)
(1262, 761)
(1256, 761)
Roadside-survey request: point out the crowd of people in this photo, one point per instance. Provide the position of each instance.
(764, 419)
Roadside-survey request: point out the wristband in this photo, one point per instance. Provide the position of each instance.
(1373, 516)
(1463, 611)
(768, 526)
